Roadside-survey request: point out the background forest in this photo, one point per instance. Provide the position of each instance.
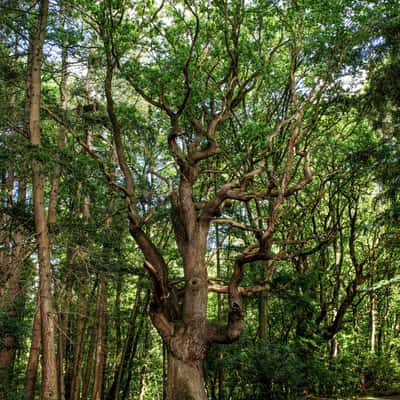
(199, 194)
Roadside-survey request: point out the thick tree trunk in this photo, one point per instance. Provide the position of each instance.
(185, 379)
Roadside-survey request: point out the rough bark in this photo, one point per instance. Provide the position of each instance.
(8, 341)
(49, 364)
(185, 379)
(11, 258)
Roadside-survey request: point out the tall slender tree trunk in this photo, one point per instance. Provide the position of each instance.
(143, 369)
(89, 366)
(98, 382)
(34, 353)
(78, 344)
(12, 302)
(118, 337)
(63, 337)
(133, 349)
(262, 314)
(122, 366)
(8, 341)
(49, 364)
(12, 260)
(382, 312)
(82, 304)
(62, 130)
(372, 317)
(63, 314)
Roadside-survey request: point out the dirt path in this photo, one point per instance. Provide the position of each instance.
(381, 398)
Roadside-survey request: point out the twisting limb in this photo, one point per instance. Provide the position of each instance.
(108, 175)
(157, 306)
(175, 132)
(251, 254)
(154, 262)
(232, 190)
(160, 292)
(116, 132)
(243, 291)
(197, 154)
(307, 177)
(235, 190)
(234, 328)
(234, 224)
